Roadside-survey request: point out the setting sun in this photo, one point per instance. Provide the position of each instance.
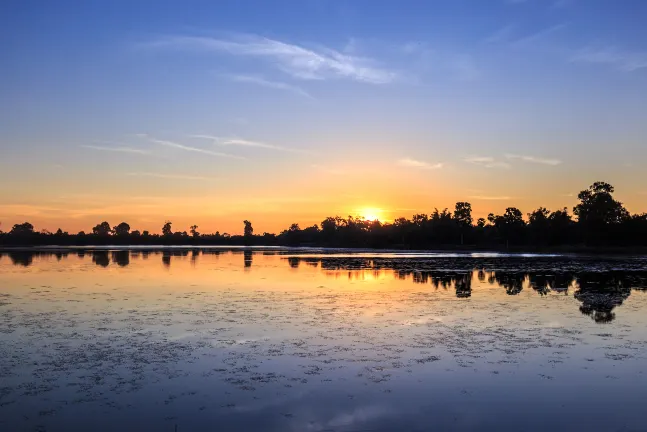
(371, 214)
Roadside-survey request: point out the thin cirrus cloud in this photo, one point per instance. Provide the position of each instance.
(487, 162)
(491, 162)
(277, 85)
(169, 176)
(538, 35)
(118, 148)
(246, 143)
(625, 61)
(294, 60)
(187, 148)
(413, 163)
(506, 35)
(534, 159)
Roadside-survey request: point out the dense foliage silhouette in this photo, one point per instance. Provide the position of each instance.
(600, 221)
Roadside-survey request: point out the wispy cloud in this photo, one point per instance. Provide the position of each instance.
(487, 162)
(169, 176)
(179, 146)
(118, 148)
(294, 60)
(533, 159)
(623, 60)
(490, 197)
(502, 35)
(246, 143)
(537, 36)
(253, 79)
(413, 163)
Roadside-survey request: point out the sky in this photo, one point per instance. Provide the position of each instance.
(280, 112)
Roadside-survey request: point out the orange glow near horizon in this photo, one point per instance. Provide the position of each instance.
(372, 214)
(383, 194)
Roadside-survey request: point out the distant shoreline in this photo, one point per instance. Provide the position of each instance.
(561, 250)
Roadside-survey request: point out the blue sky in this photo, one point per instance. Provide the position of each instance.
(255, 104)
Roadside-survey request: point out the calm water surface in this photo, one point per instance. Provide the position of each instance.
(303, 340)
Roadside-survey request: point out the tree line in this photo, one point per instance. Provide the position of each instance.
(598, 220)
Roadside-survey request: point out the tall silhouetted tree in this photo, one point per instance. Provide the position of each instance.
(167, 229)
(510, 225)
(463, 218)
(539, 225)
(248, 231)
(598, 211)
(194, 231)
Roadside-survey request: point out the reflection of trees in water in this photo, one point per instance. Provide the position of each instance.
(544, 283)
(511, 281)
(463, 285)
(601, 293)
(21, 258)
(598, 292)
(122, 258)
(60, 255)
(481, 275)
(168, 253)
(101, 258)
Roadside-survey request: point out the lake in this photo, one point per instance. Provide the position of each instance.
(316, 340)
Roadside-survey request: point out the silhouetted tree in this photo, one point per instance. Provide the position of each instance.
(167, 229)
(539, 225)
(463, 218)
(103, 229)
(598, 212)
(123, 229)
(194, 231)
(22, 229)
(509, 225)
(248, 231)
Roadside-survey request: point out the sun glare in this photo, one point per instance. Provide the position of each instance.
(371, 214)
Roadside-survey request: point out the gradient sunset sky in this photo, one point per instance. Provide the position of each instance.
(211, 112)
